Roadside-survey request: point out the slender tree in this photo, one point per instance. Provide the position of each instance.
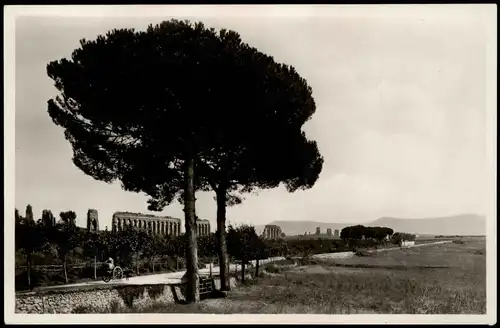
(139, 241)
(30, 238)
(261, 252)
(68, 217)
(67, 237)
(243, 244)
(93, 247)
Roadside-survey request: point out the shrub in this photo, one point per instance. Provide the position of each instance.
(273, 269)
(400, 236)
(114, 307)
(307, 261)
(80, 309)
(363, 253)
(38, 278)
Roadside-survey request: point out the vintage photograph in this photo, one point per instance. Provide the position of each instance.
(251, 160)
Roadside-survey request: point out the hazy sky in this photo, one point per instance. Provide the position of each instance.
(400, 117)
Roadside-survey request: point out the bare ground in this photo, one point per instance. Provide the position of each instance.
(440, 279)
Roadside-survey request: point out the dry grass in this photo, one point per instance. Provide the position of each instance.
(441, 279)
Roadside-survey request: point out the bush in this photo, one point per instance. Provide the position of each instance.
(38, 278)
(273, 269)
(307, 261)
(314, 246)
(399, 236)
(81, 309)
(456, 241)
(363, 253)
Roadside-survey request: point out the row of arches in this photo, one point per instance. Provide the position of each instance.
(203, 228)
(170, 228)
(272, 232)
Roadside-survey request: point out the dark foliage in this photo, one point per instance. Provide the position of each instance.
(180, 108)
(359, 232)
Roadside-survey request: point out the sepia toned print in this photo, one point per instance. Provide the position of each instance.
(245, 164)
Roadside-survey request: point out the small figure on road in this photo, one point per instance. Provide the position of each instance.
(110, 264)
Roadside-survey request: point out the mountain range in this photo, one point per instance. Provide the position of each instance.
(464, 224)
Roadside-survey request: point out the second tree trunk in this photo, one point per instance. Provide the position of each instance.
(221, 229)
(192, 290)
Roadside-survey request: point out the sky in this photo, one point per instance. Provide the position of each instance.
(400, 119)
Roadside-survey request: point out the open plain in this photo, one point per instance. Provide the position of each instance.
(437, 279)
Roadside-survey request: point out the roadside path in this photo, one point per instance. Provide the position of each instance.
(160, 278)
(175, 277)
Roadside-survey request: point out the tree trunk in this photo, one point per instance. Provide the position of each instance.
(28, 259)
(242, 272)
(221, 228)
(192, 290)
(95, 267)
(257, 266)
(65, 272)
(137, 262)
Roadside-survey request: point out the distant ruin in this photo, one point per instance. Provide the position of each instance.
(157, 224)
(163, 225)
(202, 227)
(272, 231)
(92, 220)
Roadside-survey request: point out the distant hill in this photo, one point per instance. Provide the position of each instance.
(465, 224)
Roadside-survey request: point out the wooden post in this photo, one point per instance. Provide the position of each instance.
(95, 267)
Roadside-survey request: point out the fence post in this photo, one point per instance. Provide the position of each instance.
(95, 267)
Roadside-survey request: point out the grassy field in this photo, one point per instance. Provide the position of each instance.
(439, 279)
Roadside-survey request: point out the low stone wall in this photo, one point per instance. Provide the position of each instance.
(410, 246)
(95, 299)
(339, 255)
